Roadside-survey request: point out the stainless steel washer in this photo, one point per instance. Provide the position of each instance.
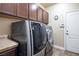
(49, 46)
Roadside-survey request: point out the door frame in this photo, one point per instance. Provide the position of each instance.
(65, 26)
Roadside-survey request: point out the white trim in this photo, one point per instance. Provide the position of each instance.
(68, 11)
(65, 28)
(58, 47)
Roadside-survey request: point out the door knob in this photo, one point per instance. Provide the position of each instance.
(67, 31)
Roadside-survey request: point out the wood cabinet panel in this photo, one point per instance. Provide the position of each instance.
(32, 11)
(8, 8)
(0, 7)
(45, 17)
(25, 10)
(11, 52)
(40, 14)
(22, 10)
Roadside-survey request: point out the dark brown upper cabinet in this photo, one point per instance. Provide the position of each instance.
(40, 14)
(32, 11)
(8, 8)
(22, 10)
(45, 17)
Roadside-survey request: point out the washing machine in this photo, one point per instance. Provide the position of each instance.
(50, 41)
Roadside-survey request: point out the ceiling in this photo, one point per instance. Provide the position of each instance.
(45, 5)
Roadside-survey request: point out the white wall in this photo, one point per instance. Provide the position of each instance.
(60, 10)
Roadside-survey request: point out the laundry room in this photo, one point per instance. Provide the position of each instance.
(39, 29)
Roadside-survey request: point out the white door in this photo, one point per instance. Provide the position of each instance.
(72, 31)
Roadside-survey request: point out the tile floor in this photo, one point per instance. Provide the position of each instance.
(58, 52)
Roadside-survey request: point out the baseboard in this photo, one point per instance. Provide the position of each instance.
(58, 47)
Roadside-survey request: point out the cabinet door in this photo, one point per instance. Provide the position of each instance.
(45, 17)
(0, 7)
(32, 11)
(22, 10)
(39, 18)
(9, 8)
(11, 52)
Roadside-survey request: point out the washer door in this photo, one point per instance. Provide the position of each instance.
(38, 37)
